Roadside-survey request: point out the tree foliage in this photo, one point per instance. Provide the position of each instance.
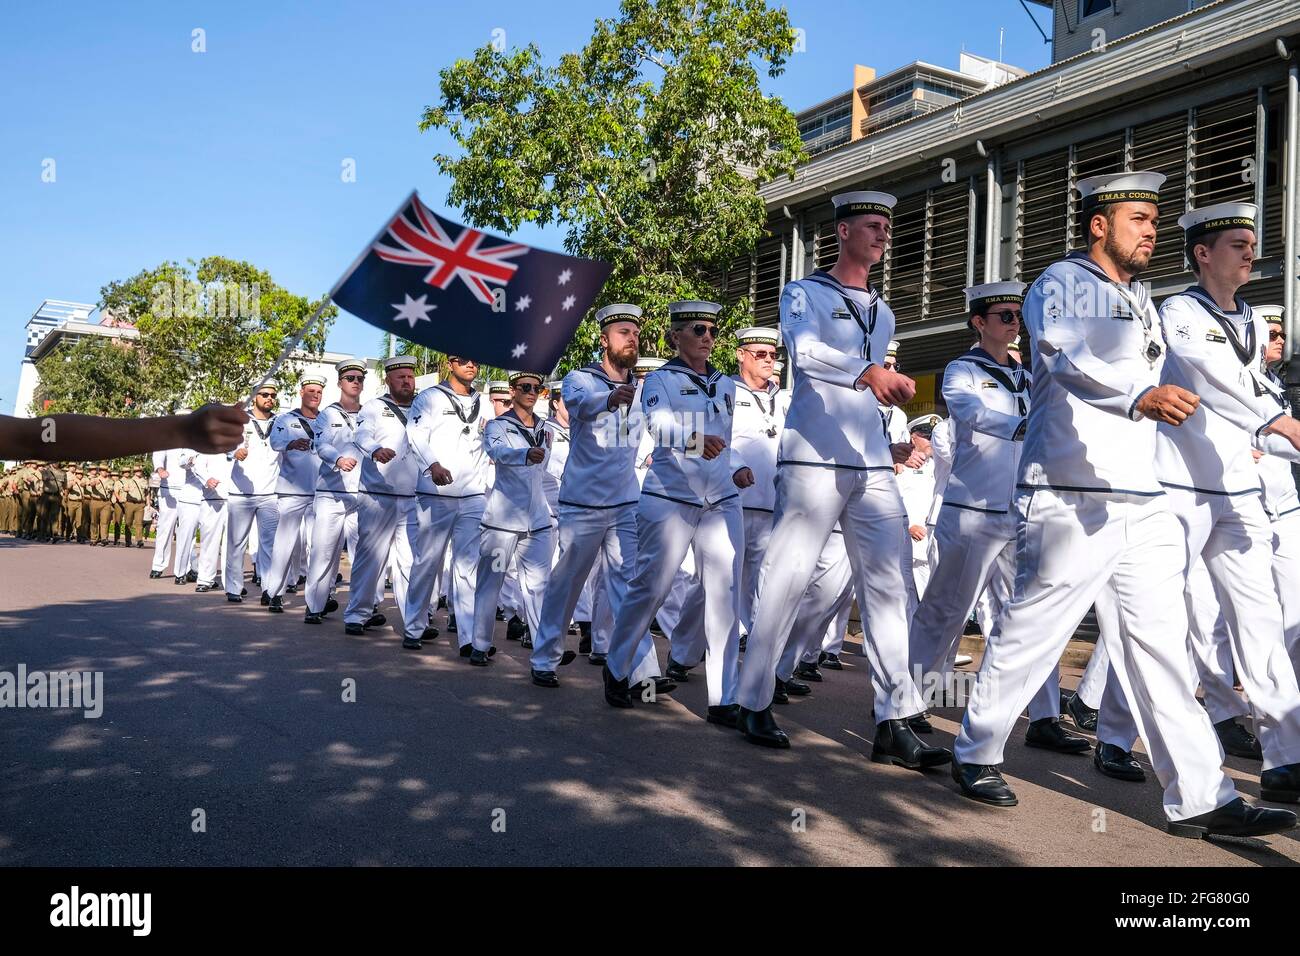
(649, 144)
(90, 376)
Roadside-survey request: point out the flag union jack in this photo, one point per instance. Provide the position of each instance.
(426, 243)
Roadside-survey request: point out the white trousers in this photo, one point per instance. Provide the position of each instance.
(164, 525)
(440, 521)
(665, 530)
(291, 510)
(758, 531)
(1093, 682)
(1209, 647)
(212, 536)
(870, 512)
(1071, 548)
(976, 552)
(595, 544)
(335, 522)
(531, 554)
(829, 595)
(241, 512)
(187, 522)
(385, 523)
(1286, 577)
(1234, 537)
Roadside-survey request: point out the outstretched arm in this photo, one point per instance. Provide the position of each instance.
(212, 428)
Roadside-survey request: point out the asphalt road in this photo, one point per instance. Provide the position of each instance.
(232, 711)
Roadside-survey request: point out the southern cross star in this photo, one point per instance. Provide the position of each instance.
(413, 310)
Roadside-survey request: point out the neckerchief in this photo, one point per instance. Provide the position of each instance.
(347, 415)
(264, 435)
(1246, 350)
(395, 408)
(465, 417)
(1138, 299)
(1014, 378)
(768, 413)
(534, 436)
(869, 326)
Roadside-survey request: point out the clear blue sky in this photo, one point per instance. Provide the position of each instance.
(162, 153)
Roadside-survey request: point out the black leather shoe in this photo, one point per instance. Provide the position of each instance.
(808, 671)
(430, 634)
(413, 644)
(330, 606)
(759, 727)
(302, 579)
(1117, 762)
(451, 623)
(442, 601)
(291, 589)
(1237, 818)
(180, 579)
(898, 744)
(584, 642)
(1237, 740)
(234, 599)
(983, 783)
(573, 628)
(276, 606)
(744, 642)
(1281, 784)
(257, 580)
(1085, 717)
(545, 678)
(797, 688)
(153, 575)
(526, 641)
(202, 588)
(356, 630)
(1048, 734)
(779, 696)
(466, 650)
(192, 577)
(664, 685)
(501, 614)
(266, 599)
(728, 715)
(920, 723)
(312, 618)
(833, 662)
(243, 592)
(617, 693)
(376, 620)
(478, 658)
(678, 672)
(515, 628)
(597, 658)
(567, 658)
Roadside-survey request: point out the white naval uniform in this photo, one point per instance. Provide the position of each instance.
(597, 516)
(252, 496)
(1093, 523)
(212, 514)
(825, 604)
(916, 488)
(1207, 468)
(988, 407)
(189, 511)
(834, 465)
(1282, 505)
(756, 435)
(447, 428)
(555, 462)
(336, 502)
(177, 510)
(295, 493)
(687, 502)
(516, 523)
(386, 511)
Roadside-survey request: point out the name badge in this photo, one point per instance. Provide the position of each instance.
(739, 402)
(690, 391)
(840, 314)
(989, 385)
(1214, 335)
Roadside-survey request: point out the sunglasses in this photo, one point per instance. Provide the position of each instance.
(1274, 335)
(354, 378)
(762, 353)
(528, 388)
(1006, 317)
(266, 394)
(701, 329)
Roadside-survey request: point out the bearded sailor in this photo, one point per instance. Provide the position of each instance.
(254, 473)
(293, 437)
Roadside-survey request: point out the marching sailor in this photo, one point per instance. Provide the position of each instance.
(386, 519)
(1093, 521)
(254, 474)
(293, 438)
(835, 463)
(177, 511)
(516, 523)
(446, 437)
(214, 472)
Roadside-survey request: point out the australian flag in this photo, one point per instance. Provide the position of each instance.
(466, 292)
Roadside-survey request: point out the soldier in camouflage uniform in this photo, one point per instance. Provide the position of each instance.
(134, 492)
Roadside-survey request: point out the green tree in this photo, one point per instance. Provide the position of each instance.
(91, 376)
(649, 144)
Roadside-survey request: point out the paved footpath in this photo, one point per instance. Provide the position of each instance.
(238, 713)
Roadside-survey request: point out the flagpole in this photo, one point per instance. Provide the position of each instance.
(293, 343)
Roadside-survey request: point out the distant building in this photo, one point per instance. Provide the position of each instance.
(1075, 23)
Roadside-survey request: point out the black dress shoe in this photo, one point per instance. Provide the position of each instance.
(797, 688)
(759, 727)
(466, 650)
(596, 657)
(617, 693)
(451, 623)
(584, 642)
(430, 633)
(664, 685)
(234, 599)
(1237, 818)
(808, 671)
(1048, 734)
(1085, 717)
(202, 588)
(1281, 784)
(266, 599)
(657, 630)
(743, 643)
(312, 618)
(257, 580)
(898, 744)
(728, 715)
(1117, 762)
(192, 577)
(515, 628)
(920, 723)
(678, 672)
(356, 630)
(526, 641)
(376, 620)
(413, 644)
(501, 614)
(478, 658)
(243, 592)
(567, 658)
(779, 696)
(331, 606)
(338, 578)
(302, 579)
(573, 628)
(442, 600)
(545, 678)
(276, 606)
(983, 783)
(291, 589)
(1237, 740)
(833, 662)
(155, 574)
(180, 579)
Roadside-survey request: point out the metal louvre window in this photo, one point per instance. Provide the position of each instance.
(1223, 149)
(735, 283)
(826, 244)
(1041, 209)
(905, 259)
(768, 282)
(948, 222)
(1096, 157)
(1161, 146)
(1272, 173)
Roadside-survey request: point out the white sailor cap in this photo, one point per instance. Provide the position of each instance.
(498, 387)
(892, 348)
(924, 423)
(646, 364)
(1270, 313)
(314, 379)
(516, 376)
(758, 335)
(778, 366)
(619, 312)
(980, 297)
(1224, 215)
(1120, 187)
(398, 361)
(863, 201)
(693, 310)
(350, 365)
